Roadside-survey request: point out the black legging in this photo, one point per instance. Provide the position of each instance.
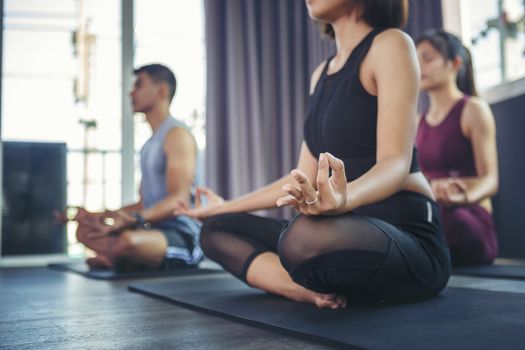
(389, 250)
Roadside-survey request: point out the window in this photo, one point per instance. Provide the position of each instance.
(62, 83)
(495, 31)
(172, 33)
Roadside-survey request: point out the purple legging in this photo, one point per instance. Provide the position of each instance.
(470, 234)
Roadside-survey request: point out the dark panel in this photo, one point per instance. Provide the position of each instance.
(509, 209)
(34, 184)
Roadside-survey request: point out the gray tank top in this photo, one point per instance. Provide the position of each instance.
(153, 186)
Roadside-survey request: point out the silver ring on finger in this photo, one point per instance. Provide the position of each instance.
(314, 201)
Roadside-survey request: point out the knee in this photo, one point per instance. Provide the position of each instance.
(212, 227)
(205, 240)
(83, 231)
(208, 235)
(461, 226)
(125, 245)
(457, 217)
(295, 244)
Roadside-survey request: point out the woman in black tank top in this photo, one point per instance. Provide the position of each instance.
(360, 234)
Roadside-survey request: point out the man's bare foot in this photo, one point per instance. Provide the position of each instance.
(99, 262)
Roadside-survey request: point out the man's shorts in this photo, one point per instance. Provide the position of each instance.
(182, 250)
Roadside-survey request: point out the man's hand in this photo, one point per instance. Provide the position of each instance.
(107, 223)
(73, 214)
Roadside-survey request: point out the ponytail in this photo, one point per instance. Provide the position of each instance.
(465, 79)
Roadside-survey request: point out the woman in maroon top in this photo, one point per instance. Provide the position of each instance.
(456, 143)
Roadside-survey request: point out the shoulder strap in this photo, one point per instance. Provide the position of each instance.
(325, 68)
(457, 110)
(364, 46)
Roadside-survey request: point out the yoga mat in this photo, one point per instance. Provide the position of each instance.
(107, 274)
(493, 271)
(456, 319)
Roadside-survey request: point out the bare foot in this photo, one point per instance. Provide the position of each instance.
(332, 301)
(322, 301)
(99, 262)
(267, 273)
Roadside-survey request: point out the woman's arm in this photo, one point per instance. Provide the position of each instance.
(266, 197)
(480, 128)
(397, 82)
(477, 124)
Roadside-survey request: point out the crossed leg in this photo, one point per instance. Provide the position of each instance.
(140, 247)
(246, 246)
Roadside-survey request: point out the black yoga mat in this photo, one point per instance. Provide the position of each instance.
(456, 319)
(494, 271)
(107, 274)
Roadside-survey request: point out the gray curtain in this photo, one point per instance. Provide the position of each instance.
(260, 54)
(259, 58)
(424, 15)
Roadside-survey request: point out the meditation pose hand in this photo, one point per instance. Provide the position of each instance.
(201, 211)
(115, 221)
(98, 225)
(330, 197)
(450, 192)
(72, 214)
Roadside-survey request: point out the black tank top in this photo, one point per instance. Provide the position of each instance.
(341, 116)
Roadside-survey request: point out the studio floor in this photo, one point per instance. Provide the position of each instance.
(45, 309)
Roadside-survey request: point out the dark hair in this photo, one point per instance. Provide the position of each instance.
(450, 47)
(378, 14)
(160, 74)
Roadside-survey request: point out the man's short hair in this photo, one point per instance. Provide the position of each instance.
(160, 74)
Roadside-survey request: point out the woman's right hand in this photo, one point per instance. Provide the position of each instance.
(202, 211)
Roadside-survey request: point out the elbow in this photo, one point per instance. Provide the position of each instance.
(495, 186)
(402, 166)
(397, 168)
(491, 185)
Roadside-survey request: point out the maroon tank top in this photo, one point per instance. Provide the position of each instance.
(443, 150)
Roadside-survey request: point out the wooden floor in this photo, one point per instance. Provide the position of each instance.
(45, 309)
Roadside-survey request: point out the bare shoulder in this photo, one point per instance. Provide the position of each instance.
(316, 75)
(393, 52)
(477, 109)
(477, 114)
(392, 38)
(393, 59)
(476, 104)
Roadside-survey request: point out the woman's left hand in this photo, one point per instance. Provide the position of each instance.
(201, 211)
(451, 192)
(329, 199)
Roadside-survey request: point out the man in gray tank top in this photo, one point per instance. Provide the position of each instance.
(146, 234)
